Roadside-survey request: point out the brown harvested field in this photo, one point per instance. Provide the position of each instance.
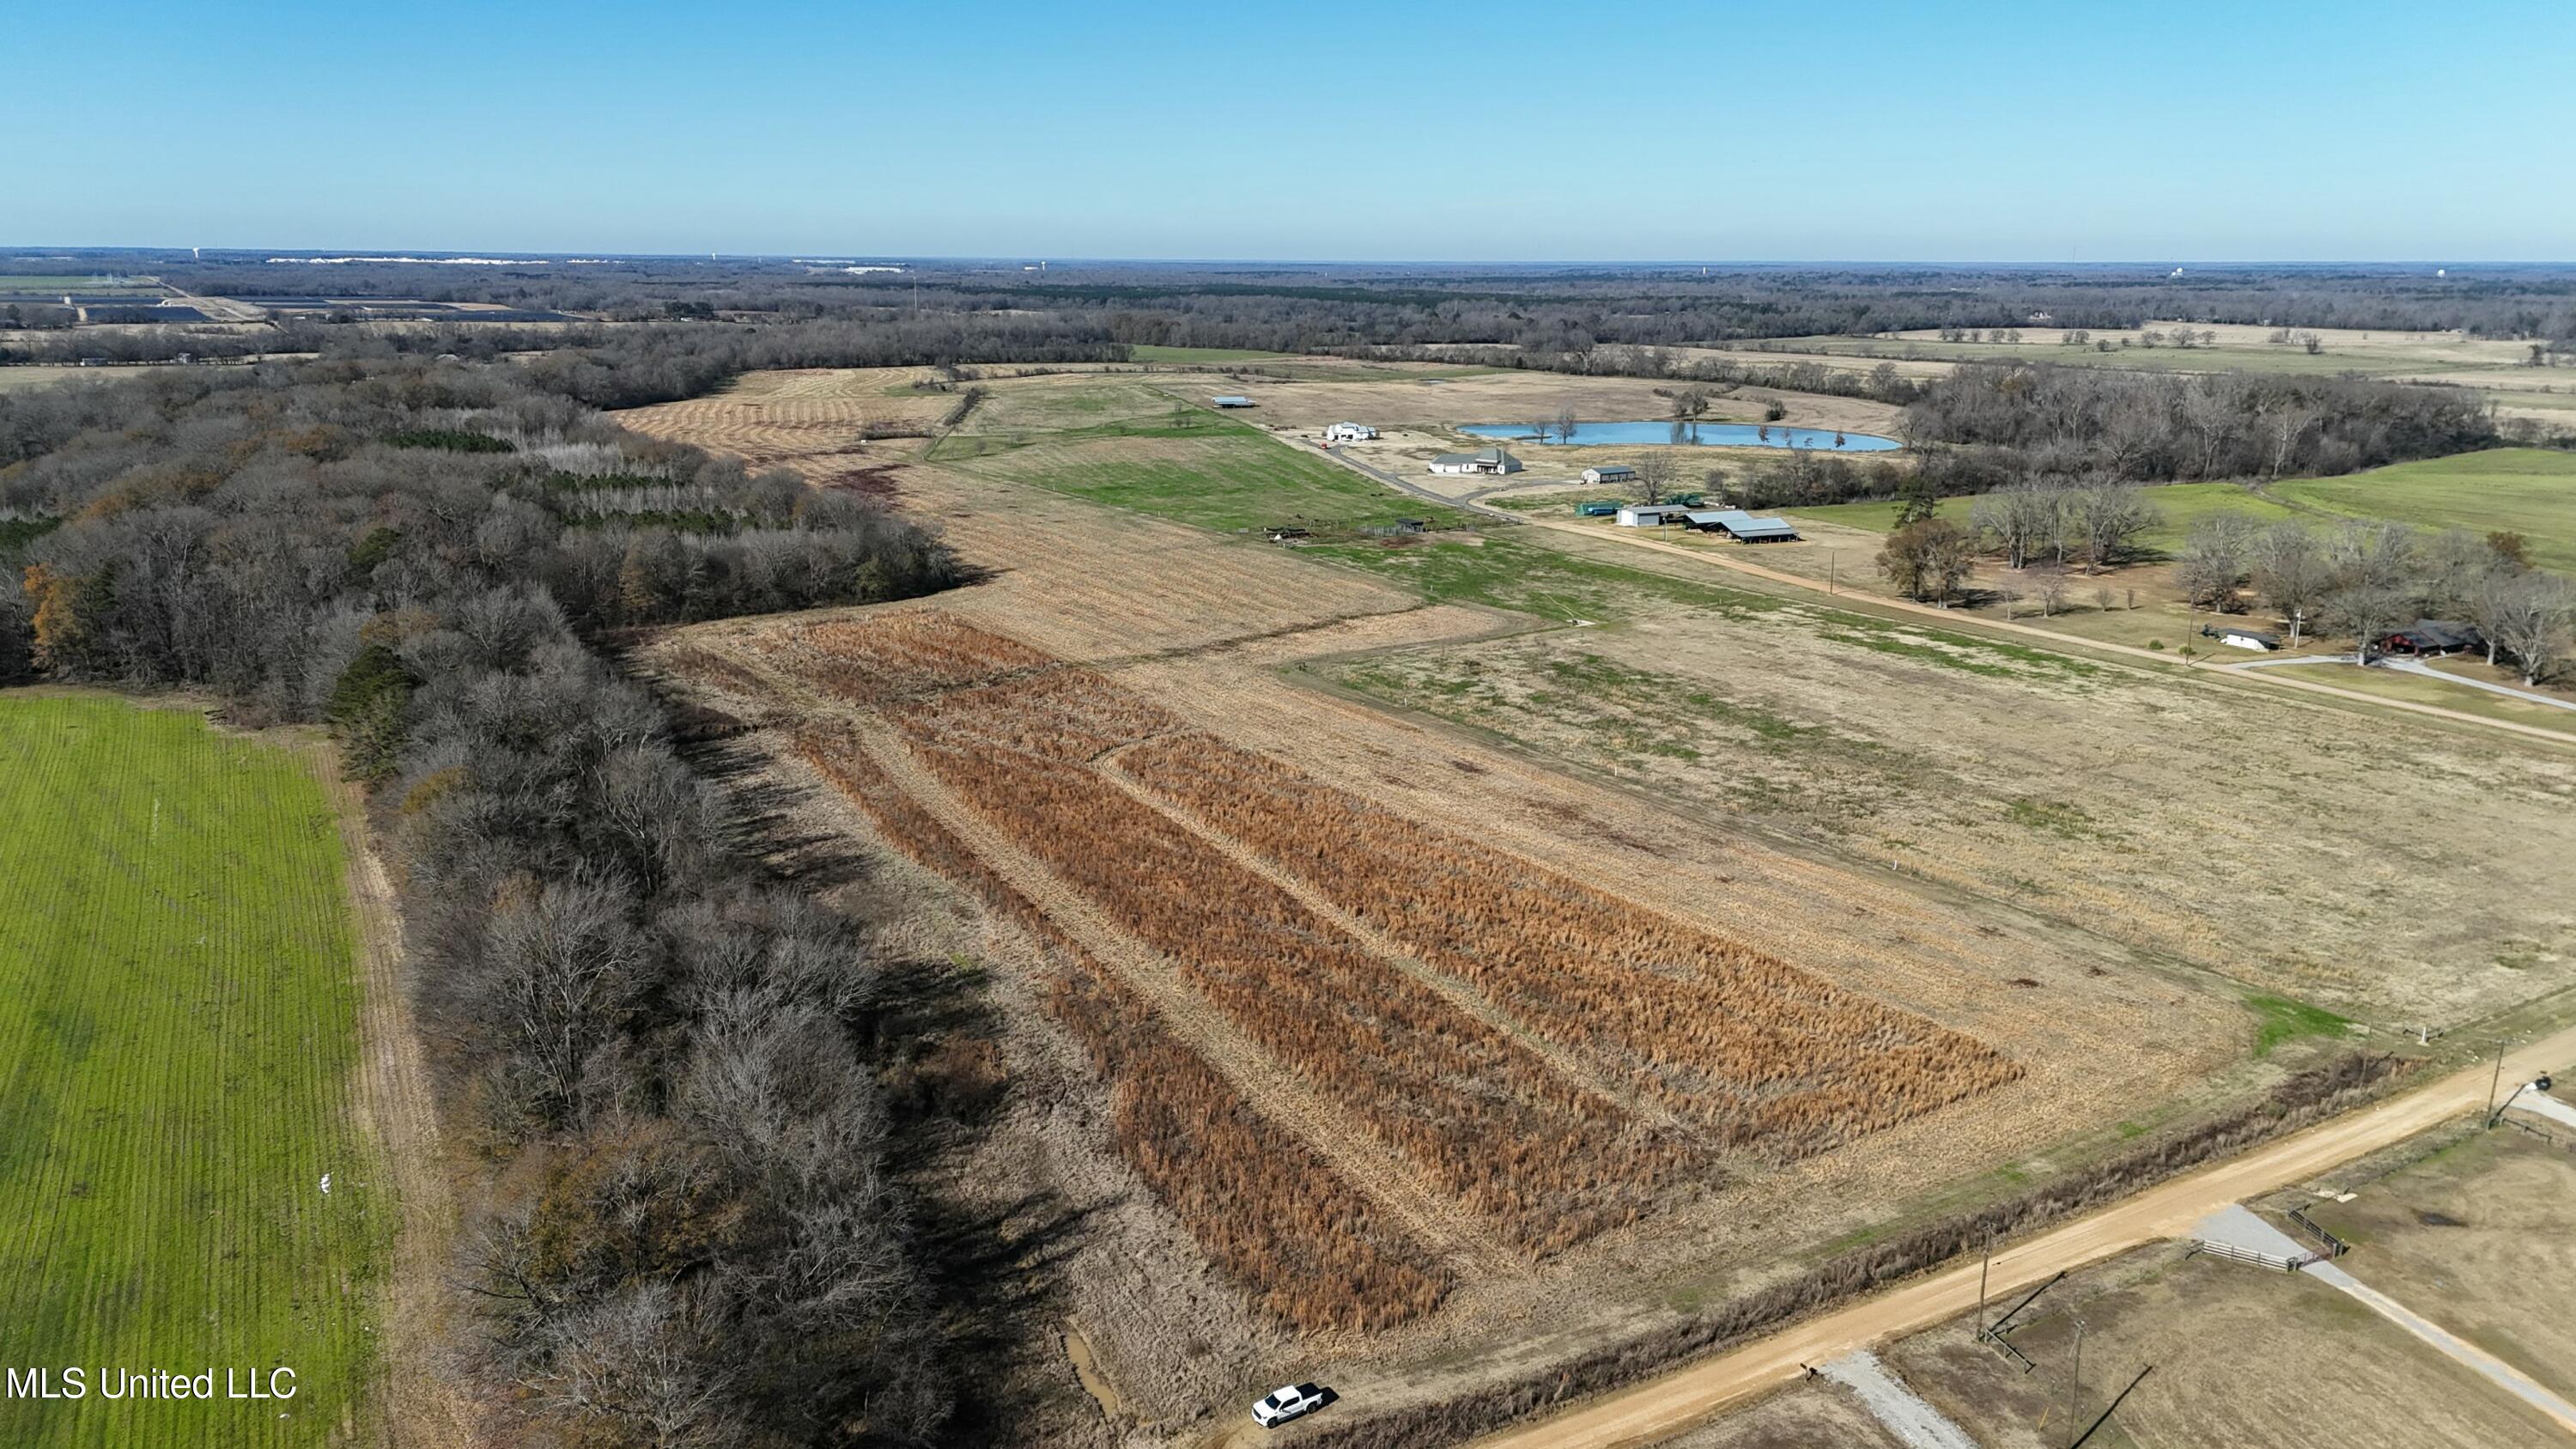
(1254, 1195)
(1546, 1160)
(2242, 1356)
(1775, 1060)
(2480, 1237)
(2417, 886)
(1075, 580)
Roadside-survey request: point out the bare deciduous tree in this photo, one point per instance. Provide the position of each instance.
(1655, 472)
(2533, 617)
(2213, 565)
(2289, 573)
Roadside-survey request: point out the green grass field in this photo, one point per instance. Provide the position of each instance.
(2530, 491)
(178, 1020)
(1193, 467)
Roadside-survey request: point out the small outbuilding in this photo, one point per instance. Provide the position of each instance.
(1492, 460)
(1610, 473)
(1598, 508)
(2240, 636)
(2429, 637)
(1349, 433)
(1232, 400)
(1652, 515)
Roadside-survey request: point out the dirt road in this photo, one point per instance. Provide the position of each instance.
(1661, 1407)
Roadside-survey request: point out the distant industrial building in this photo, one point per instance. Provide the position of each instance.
(1232, 400)
(1349, 433)
(1492, 460)
(1610, 473)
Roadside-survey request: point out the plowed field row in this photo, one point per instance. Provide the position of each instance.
(1549, 1161)
(1256, 1198)
(1778, 1060)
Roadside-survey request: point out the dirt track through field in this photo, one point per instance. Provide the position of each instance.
(1668, 1405)
(424, 1407)
(1350, 1149)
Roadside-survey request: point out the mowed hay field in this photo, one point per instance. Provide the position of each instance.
(2530, 491)
(2418, 880)
(1176, 461)
(178, 1021)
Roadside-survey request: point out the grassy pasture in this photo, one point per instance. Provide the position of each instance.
(1192, 467)
(178, 1015)
(2531, 491)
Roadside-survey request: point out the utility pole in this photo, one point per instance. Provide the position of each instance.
(1832, 571)
(2494, 1083)
(1982, 1267)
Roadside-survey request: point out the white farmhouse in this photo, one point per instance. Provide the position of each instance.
(1349, 433)
(1492, 460)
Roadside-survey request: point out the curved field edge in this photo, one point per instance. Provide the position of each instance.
(179, 1012)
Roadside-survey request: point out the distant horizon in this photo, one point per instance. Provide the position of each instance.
(390, 255)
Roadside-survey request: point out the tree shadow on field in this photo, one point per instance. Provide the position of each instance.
(765, 816)
(994, 1273)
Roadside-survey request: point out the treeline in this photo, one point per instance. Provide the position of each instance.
(2362, 578)
(2160, 426)
(688, 1231)
(1539, 308)
(620, 366)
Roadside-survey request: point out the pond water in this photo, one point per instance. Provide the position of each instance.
(1710, 435)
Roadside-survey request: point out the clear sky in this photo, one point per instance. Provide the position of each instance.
(2093, 130)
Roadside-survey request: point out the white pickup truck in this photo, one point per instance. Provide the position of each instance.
(1282, 1405)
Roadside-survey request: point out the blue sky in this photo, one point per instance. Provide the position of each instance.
(2079, 130)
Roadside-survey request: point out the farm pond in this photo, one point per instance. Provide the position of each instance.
(1712, 435)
